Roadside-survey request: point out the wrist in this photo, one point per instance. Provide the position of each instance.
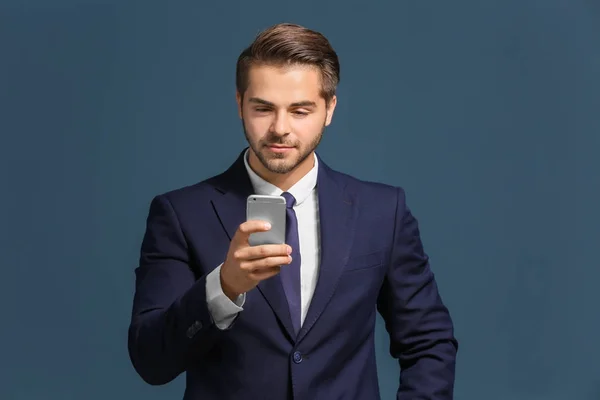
(228, 291)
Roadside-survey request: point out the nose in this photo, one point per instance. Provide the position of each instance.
(280, 125)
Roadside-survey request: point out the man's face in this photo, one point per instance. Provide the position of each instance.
(284, 116)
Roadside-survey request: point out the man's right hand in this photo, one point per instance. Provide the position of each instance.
(245, 265)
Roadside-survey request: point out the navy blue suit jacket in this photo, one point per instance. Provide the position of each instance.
(372, 260)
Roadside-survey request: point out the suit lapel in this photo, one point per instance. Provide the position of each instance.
(337, 212)
(235, 186)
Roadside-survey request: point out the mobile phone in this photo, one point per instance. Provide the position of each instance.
(271, 209)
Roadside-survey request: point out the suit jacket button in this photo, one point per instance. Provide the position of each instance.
(297, 357)
(190, 332)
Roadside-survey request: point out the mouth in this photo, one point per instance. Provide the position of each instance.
(277, 148)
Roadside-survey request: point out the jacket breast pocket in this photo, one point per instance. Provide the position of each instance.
(365, 261)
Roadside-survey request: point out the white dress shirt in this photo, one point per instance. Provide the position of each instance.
(222, 309)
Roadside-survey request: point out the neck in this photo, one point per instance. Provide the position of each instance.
(282, 181)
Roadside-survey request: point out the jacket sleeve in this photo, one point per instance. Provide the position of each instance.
(170, 322)
(419, 324)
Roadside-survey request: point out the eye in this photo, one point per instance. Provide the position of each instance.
(300, 113)
(262, 109)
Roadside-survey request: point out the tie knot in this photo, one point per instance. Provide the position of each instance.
(289, 199)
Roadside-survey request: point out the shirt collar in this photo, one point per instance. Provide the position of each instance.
(301, 190)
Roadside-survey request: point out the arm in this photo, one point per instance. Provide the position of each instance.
(420, 327)
(221, 308)
(172, 319)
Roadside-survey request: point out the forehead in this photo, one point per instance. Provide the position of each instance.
(284, 84)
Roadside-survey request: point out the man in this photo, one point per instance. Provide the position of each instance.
(292, 321)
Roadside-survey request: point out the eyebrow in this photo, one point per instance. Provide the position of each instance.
(305, 103)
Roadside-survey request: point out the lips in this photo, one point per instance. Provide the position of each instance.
(279, 149)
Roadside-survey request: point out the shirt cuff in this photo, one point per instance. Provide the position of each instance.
(221, 308)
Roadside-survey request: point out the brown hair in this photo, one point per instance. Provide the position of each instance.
(289, 44)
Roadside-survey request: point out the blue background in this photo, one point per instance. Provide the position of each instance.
(486, 112)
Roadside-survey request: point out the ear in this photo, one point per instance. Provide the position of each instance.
(239, 99)
(330, 110)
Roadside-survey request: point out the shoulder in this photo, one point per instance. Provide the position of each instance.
(189, 197)
(370, 192)
(190, 192)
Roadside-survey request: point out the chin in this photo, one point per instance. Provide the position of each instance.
(280, 166)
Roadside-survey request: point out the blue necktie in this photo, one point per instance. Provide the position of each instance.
(290, 274)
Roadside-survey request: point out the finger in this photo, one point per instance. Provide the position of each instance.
(262, 274)
(262, 251)
(252, 226)
(265, 263)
